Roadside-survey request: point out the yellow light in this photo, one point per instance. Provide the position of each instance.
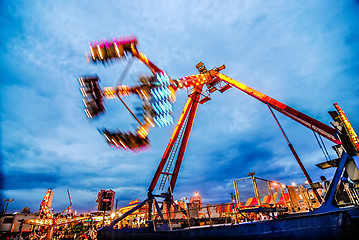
(173, 93)
(109, 92)
(142, 57)
(81, 81)
(114, 142)
(88, 113)
(142, 132)
(107, 138)
(118, 52)
(150, 122)
(83, 92)
(92, 54)
(123, 145)
(99, 50)
(348, 127)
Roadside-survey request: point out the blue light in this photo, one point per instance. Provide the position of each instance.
(166, 92)
(160, 103)
(164, 120)
(163, 78)
(154, 119)
(169, 118)
(162, 106)
(168, 105)
(157, 109)
(161, 93)
(160, 121)
(165, 106)
(154, 93)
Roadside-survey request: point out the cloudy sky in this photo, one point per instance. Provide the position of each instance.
(304, 54)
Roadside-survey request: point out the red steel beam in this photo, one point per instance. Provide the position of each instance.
(142, 57)
(196, 95)
(311, 123)
(170, 144)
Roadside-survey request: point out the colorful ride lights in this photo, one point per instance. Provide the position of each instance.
(156, 91)
(161, 93)
(163, 78)
(161, 106)
(107, 51)
(125, 140)
(163, 120)
(92, 96)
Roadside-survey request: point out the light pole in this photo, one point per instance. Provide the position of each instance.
(7, 203)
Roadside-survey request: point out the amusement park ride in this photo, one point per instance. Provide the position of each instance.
(48, 220)
(158, 92)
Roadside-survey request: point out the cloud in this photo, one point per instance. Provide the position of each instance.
(302, 55)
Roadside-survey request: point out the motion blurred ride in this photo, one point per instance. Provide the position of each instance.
(47, 222)
(93, 99)
(155, 91)
(328, 221)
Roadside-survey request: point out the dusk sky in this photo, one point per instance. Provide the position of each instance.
(302, 53)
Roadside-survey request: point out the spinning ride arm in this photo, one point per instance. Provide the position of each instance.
(155, 91)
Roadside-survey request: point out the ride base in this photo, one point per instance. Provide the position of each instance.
(334, 219)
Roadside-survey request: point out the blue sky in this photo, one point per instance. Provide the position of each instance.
(304, 54)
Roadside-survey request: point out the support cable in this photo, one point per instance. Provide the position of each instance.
(124, 73)
(295, 155)
(320, 146)
(321, 139)
(120, 81)
(133, 115)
